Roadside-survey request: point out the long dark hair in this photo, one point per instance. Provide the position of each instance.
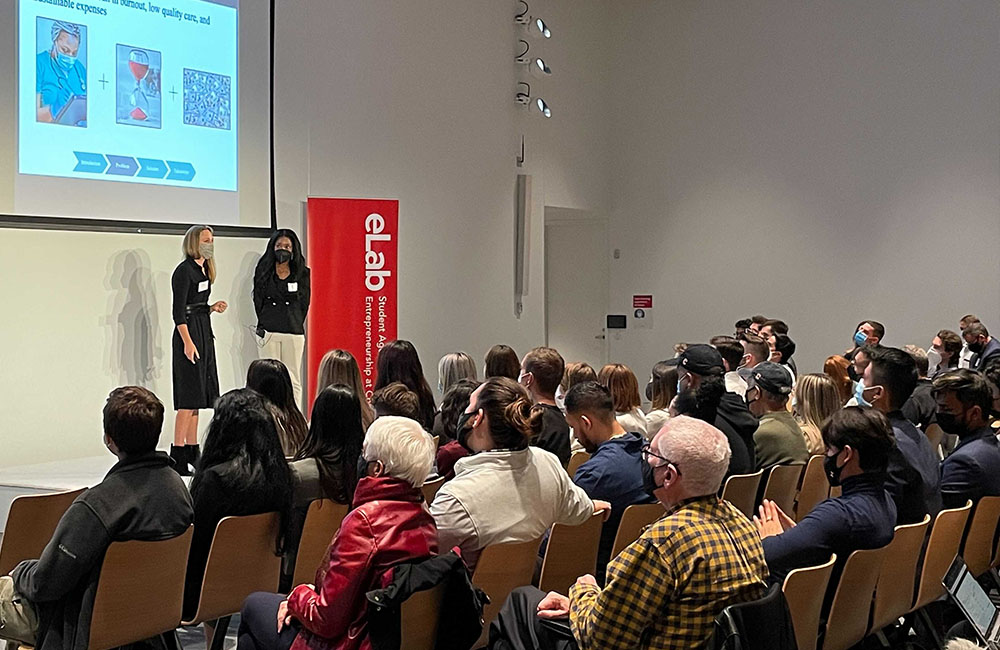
(334, 440)
(502, 361)
(297, 265)
(453, 404)
(398, 361)
(270, 378)
(242, 433)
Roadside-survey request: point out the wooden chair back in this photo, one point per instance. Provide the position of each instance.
(140, 591)
(782, 484)
(741, 491)
(851, 608)
(32, 521)
(430, 489)
(321, 524)
(805, 590)
(634, 521)
(240, 561)
(501, 569)
(419, 618)
(570, 553)
(894, 589)
(815, 487)
(977, 550)
(578, 458)
(942, 547)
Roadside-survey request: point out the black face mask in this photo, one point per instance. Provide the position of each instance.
(463, 429)
(950, 423)
(976, 347)
(649, 391)
(649, 481)
(282, 255)
(851, 372)
(832, 470)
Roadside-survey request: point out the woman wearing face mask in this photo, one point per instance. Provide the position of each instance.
(281, 300)
(195, 377)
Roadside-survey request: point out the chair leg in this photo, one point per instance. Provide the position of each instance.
(932, 631)
(219, 633)
(171, 641)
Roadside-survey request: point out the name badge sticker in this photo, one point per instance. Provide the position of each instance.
(293, 287)
(203, 286)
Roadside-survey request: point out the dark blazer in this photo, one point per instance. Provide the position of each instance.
(972, 471)
(140, 498)
(914, 474)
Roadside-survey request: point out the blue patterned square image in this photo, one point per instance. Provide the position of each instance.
(207, 99)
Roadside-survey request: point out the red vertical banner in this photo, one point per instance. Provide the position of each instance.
(352, 254)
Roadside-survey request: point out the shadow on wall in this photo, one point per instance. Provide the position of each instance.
(133, 321)
(244, 347)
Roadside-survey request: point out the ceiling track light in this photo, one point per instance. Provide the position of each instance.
(535, 26)
(536, 65)
(543, 108)
(523, 97)
(522, 17)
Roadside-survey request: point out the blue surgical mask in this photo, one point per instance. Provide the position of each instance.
(859, 393)
(860, 338)
(65, 61)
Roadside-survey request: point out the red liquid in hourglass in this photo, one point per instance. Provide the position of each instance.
(137, 114)
(139, 70)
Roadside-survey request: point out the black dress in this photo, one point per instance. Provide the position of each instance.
(196, 385)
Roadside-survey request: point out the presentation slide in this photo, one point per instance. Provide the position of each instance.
(136, 110)
(130, 91)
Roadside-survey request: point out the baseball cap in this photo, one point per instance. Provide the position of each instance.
(772, 377)
(701, 359)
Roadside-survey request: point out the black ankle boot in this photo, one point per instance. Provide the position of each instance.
(193, 456)
(179, 454)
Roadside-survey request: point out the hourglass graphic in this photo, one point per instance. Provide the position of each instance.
(138, 64)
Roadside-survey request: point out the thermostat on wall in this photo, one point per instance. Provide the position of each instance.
(616, 321)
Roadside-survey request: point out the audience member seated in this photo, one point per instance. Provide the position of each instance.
(667, 587)
(756, 350)
(140, 498)
(502, 361)
(858, 442)
(242, 472)
(660, 391)
(270, 378)
(778, 440)
(816, 399)
(454, 403)
(452, 368)
(835, 367)
(398, 361)
(944, 354)
(506, 491)
(541, 372)
(576, 372)
(624, 387)
(983, 346)
(702, 401)
(992, 375)
(972, 470)
(868, 333)
(397, 400)
(613, 473)
(339, 367)
(862, 357)
(914, 478)
(696, 364)
(326, 466)
(920, 408)
(782, 349)
(389, 525)
(735, 357)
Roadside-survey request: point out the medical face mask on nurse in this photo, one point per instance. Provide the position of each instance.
(64, 50)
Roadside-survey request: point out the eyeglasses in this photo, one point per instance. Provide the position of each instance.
(647, 453)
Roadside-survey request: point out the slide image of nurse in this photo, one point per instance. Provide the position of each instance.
(137, 86)
(60, 71)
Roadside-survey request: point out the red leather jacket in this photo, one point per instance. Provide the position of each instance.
(389, 524)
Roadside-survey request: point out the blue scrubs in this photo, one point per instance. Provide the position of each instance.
(55, 85)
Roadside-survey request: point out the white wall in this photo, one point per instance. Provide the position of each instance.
(820, 162)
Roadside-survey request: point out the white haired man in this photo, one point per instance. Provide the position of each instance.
(666, 588)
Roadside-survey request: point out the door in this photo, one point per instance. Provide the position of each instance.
(576, 285)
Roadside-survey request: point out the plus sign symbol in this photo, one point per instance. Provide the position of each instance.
(104, 82)
(174, 93)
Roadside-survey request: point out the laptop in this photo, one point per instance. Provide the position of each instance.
(974, 602)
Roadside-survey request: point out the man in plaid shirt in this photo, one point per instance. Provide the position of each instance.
(664, 590)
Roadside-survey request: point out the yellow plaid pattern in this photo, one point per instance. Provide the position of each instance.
(664, 591)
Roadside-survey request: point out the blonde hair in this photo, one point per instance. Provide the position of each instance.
(624, 387)
(816, 399)
(339, 367)
(192, 238)
(402, 445)
(577, 372)
(453, 367)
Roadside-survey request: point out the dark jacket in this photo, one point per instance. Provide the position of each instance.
(281, 305)
(554, 436)
(991, 351)
(461, 606)
(733, 410)
(389, 525)
(613, 473)
(140, 498)
(921, 408)
(914, 480)
(224, 491)
(972, 471)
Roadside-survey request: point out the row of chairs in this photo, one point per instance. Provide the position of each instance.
(796, 489)
(878, 587)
